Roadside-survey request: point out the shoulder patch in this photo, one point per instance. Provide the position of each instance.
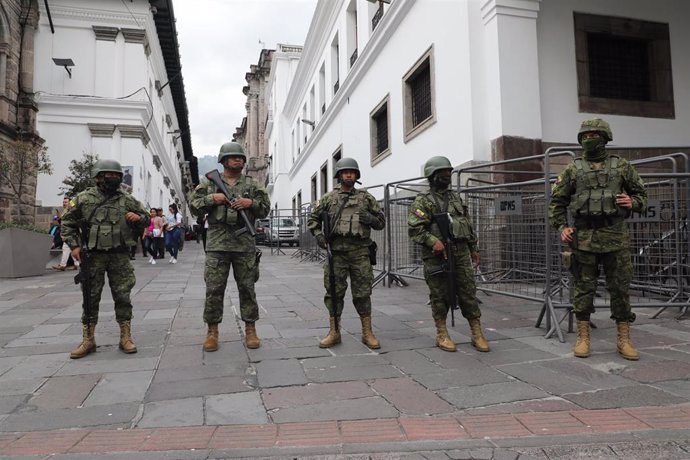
(419, 213)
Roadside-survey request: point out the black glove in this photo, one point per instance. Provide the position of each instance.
(321, 241)
(368, 219)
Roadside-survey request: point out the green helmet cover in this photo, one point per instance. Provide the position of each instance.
(597, 125)
(231, 149)
(434, 164)
(105, 166)
(344, 164)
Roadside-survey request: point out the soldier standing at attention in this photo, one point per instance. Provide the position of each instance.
(111, 217)
(229, 245)
(600, 190)
(352, 214)
(424, 230)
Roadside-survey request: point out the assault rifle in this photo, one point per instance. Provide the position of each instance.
(84, 268)
(443, 220)
(214, 176)
(327, 231)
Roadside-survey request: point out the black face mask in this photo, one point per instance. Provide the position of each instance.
(440, 182)
(111, 184)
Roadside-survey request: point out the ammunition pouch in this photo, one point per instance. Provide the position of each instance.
(433, 270)
(373, 247)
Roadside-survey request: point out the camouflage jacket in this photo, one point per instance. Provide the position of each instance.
(223, 221)
(422, 228)
(613, 234)
(107, 229)
(344, 209)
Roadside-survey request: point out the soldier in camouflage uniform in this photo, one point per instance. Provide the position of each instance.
(111, 217)
(353, 213)
(600, 190)
(228, 242)
(424, 230)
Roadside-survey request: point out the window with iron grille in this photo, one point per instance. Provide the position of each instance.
(418, 86)
(337, 155)
(380, 132)
(623, 66)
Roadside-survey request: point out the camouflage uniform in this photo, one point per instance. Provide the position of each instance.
(589, 189)
(110, 238)
(225, 249)
(424, 231)
(350, 246)
(601, 236)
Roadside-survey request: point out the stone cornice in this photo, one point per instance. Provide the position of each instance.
(134, 132)
(105, 33)
(134, 35)
(101, 129)
(518, 8)
(94, 15)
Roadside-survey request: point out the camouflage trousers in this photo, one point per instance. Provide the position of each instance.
(120, 278)
(355, 264)
(216, 271)
(618, 270)
(465, 286)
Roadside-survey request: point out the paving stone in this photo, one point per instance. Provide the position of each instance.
(9, 362)
(198, 387)
(127, 364)
(410, 398)
(201, 371)
(649, 450)
(492, 393)
(545, 379)
(174, 412)
(120, 387)
(658, 371)
(232, 409)
(458, 378)
(412, 362)
(352, 409)
(262, 354)
(35, 366)
(314, 393)
(279, 373)
(20, 387)
(580, 451)
(8, 404)
(46, 330)
(632, 396)
(160, 314)
(64, 392)
(42, 420)
(679, 388)
(341, 374)
(597, 377)
(343, 361)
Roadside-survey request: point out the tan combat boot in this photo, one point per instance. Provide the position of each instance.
(625, 347)
(368, 337)
(333, 337)
(126, 342)
(581, 348)
(443, 341)
(211, 342)
(88, 342)
(478, 340)
(250, 337)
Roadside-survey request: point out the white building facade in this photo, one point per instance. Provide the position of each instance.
(392, 84)
(122, 96)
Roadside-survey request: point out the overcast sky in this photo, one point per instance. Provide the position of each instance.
(219, 40)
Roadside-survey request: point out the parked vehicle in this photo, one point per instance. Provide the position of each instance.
(262, 227)
(278, 231)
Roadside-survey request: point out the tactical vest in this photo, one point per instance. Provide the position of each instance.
(108, 228)
(596, 190)
(348, 223)
(460, 225)
(225, 214)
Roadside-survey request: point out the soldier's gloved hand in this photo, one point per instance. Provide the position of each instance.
(366, 218)
(321, 241)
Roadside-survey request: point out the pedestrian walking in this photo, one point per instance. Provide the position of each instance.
(348, 215)
(108, 217)
(229, 244)
(173, 228)
(148, 238)
(66, 251)
(159, 234)
(600, 190)
(434, 213)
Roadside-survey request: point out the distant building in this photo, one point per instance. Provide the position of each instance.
(392, 83)
(109, 81)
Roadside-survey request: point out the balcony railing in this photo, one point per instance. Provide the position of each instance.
(336, 86)
(353, 58)
(377, 17)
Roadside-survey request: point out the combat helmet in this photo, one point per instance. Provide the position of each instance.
(434, 164)
(105, 166)
(598, 125)
(345, 164)
(231, 149)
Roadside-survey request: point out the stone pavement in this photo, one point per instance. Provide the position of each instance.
(528, 398)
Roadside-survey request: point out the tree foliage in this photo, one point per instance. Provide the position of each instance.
(80, 175)
(20, 162)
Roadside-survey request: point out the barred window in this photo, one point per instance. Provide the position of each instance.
(418, 86)
(623, 66)
(379, 126)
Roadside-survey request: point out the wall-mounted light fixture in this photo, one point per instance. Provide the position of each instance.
(66, 63)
